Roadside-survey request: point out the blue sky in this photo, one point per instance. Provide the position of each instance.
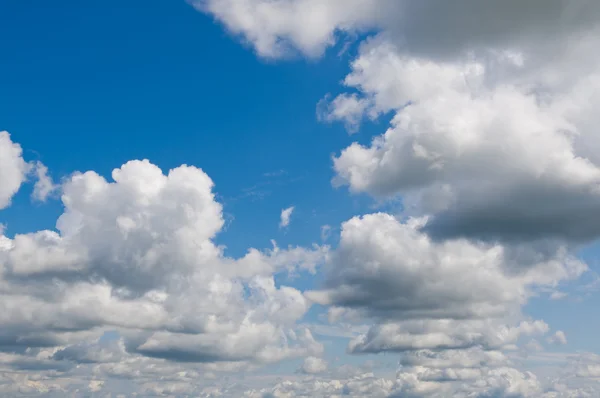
(274, 101)
(165, 83)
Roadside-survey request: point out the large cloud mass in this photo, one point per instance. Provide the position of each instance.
(423, 294)
(490, 160)
(492, 148)
(493, 102)
(136, 255)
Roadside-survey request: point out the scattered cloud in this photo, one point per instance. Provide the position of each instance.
(558, 338)
(314, 365)
(492, 150)
(325, 232)
(286, 215)
(44, 186)
(13, 169)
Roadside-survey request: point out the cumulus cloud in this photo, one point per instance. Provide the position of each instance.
(504, 160)
(313, 365)
(558, 338)
(364, 385)
(137, 255)
(492, 147)
(286, 214)
(277, 27)
(396, 271)
(456, 373)
(494, 118)
(413, 288)
(13, 169)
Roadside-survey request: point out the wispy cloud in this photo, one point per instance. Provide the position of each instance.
(286, 214)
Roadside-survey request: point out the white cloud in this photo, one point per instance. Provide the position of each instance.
(496, 113)
(137, 255)
(397, 271)
(492, 146)
(278, 28)
(364, 385)
(558, 338)
(286, 214)
(347, 108)
(504, 158)
(454, 373)
(314, 365)
(44, 186)
(325, 232)
(433, 27)
(13, 169)
(412, 289)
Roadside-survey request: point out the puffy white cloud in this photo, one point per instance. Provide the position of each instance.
(314, 365)
(493, 148)
(450, 373)
(490, 160)
(398, 272)
(423, 294)
(558, 338)
(286, 214)
(345, 107)
(276, 27)
(364, 385)
(137, 255)
(44, 186)
(13, 169)
(494, 127)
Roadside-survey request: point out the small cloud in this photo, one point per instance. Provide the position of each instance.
(557, 295)
(558, 338)
(313, 365)
(348, 108)
(277, 173)
(534, 346)
(286, 214)
(325, 232)
(44, 186)
(95, 385)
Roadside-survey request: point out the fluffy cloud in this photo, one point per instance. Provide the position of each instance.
(558, 338)
(136, 255)
(438, 374)
(489, 160)
(495, 124)
(314, 365)
(364, 385)
(431, 27)
(454, 373)
(415, 289)
(277, 28)
(492, 147)
(13, 169)
(286, 214)
(44, 186)
(398, 272)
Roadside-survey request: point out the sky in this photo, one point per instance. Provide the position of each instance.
(299, 198)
